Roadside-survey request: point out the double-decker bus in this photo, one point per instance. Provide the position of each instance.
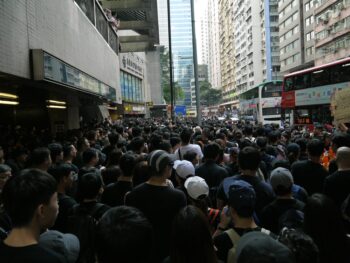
(307, 94)
(262, 103)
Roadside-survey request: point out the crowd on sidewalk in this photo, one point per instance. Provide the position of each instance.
(150, 190)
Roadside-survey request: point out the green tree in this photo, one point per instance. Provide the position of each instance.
(208, 95)
(178, 91)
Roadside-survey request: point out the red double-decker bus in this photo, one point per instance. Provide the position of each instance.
(307, 94)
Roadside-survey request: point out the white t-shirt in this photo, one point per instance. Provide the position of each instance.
(187, 148)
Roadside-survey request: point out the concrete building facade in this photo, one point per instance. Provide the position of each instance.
(332, 30)
(296, 34)
(227, 51)
(248, 44)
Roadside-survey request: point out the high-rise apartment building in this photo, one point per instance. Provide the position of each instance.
(332, 30)
(270, 40)
(296, 34)
(227, 52)
(202, 30)
(214, 43)
(248, 44)
(181, 40)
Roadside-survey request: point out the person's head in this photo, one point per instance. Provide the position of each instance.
(83, 144)
(20, 155)
(166, 146)
(302, 144)
(261, 142)
(343, 158)
(30, 198)
(281, 180)
(191, 239)
(127, 164)
(114, 157)
(248, 130)
(69, 151)
(175, 143)
(90, 157)
(340, 140)
(64, 175)
(323, 222)
(56, 152)
(293, 151)
(40, 158)
(258, 247)
(160, 163)
(183, 170)
(90, 186)
(5, 174)
(192, 157)
(274, 137)
(302, 246)
(111, 174)
(249, 159)
(92, 136)
(113, 138)
(186, 135)
(136, 131)
(241, 199)
(137, 144)
(120, 231)
(211, 151)
(233, 151)
(315, 148)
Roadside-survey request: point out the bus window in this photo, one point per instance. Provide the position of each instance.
(302, 81)
(320, 77)
(288, 84)
(271, 111)
(341, 73)
(271, 90)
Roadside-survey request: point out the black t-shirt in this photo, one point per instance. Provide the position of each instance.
(333, 167)
(309, 175)
(90, 208)
(212, 173)
(271, 213)
(28, 254)
(337, 186)
(65, 203)
(263, 191)
(160, 204)
(223, 242)
(114, 193)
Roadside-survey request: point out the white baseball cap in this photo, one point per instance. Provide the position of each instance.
(184, 168)
(196, 187)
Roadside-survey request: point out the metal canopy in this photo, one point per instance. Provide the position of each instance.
(140, 16)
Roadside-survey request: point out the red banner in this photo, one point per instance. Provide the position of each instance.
(288, 99)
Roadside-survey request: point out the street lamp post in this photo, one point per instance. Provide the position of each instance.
(170, 65)
(195, 64)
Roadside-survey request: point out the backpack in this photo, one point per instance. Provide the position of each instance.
(234, 237)
(82, 223)
(292, 218)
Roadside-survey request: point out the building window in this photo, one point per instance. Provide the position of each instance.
(310, 36)
(309, 20)
(310, 51)
(309, 5)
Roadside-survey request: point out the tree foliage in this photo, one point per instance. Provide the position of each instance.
(208, 95)
(178, 91)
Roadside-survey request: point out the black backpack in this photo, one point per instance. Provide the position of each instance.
(82, 223)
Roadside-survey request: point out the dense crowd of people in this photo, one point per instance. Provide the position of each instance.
(150, 190)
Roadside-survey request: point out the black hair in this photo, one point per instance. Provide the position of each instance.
(22, 195)
(89, 154)
(165, 146)
(119, 232)
(61, 170)
(89, 185)
(261, 142)
(67, 148)
(111, 174)
(39, 156)
(211, 151)
(80, 143)
(248, 130)
(191, 239)
(315, 147)
(302, 143)
(114, 157)
(190, 156)
(249, 158)
(302, 246)
(55, 150)
(341, 140)
(174, 141)
(136, 131)
(113, 138)
(141, 173)
(136, 144)
(186, 135)
(91, 135)
(274, 136)
(323, 222)
(127, 164)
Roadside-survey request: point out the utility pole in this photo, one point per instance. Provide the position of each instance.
(172, 101)
(195, 64)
